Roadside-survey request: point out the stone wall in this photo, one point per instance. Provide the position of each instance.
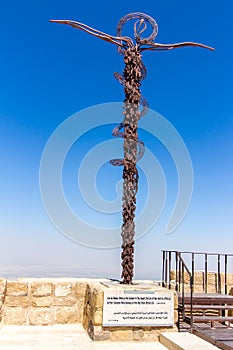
(42, 301)
(199, 282)
(67, 300)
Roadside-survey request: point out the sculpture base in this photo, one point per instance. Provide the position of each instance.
(137, 312)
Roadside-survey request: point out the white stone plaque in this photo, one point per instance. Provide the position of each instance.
(138, 308)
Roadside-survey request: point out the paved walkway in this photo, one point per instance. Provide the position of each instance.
(185, 341)
(61, 337)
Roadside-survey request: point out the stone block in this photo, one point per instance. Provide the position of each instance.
(230, 312)
(17, 289)
(138, 334)
(41, 316)
(98, 298)
(80, 289)
(121, 334)
(99, 333)
(152, 333)
(229, 282)
(15, 315)
(211, 288)
(211, 278)
(98, 317)
(67, 314)
(16, 301)
(41, 289)
(64, 301)
(173, 275)
(172, 285)
(229, 279)
(63, 289)
(186, 277)
(88, 311)
(147, 334)
(175, 300)
(186, 288)
(90, 329)
(198, 277)
(198, 288)
(2, 286)
(42, 301)
(86, 318)
(176, 316)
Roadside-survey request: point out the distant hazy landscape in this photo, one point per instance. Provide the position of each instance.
(40, 271)
(14, 272)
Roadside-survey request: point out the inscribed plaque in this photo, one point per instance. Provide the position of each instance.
(138, 308)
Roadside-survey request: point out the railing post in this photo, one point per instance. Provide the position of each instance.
(182, 269)
(219, 274)
(169, 269)
(163, 269)
(166, 269)
(183, 310)
(180, 272)
(206, 273)
(193, 269)
(177, 287)
(191, 303)
(225, 279)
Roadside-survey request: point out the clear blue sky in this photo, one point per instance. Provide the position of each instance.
(49, 72)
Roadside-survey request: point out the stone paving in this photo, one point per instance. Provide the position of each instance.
(185, 341)
(61, 337)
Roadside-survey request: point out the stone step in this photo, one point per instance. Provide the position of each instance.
(207, 307)
(184, 341)
(206, 319)
(206, 299)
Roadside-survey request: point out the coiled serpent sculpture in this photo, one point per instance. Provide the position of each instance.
(134, 73)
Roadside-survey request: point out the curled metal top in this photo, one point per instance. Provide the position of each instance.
(139, 27)
(125, 42)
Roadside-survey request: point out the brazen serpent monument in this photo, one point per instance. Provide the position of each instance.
(134, 72)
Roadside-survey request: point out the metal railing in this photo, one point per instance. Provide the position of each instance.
(177, 262)
(180, 268)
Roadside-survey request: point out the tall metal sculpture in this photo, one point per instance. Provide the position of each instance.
(134, 72)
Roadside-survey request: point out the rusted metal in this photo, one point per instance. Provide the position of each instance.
(134, 73)
(132, 77)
